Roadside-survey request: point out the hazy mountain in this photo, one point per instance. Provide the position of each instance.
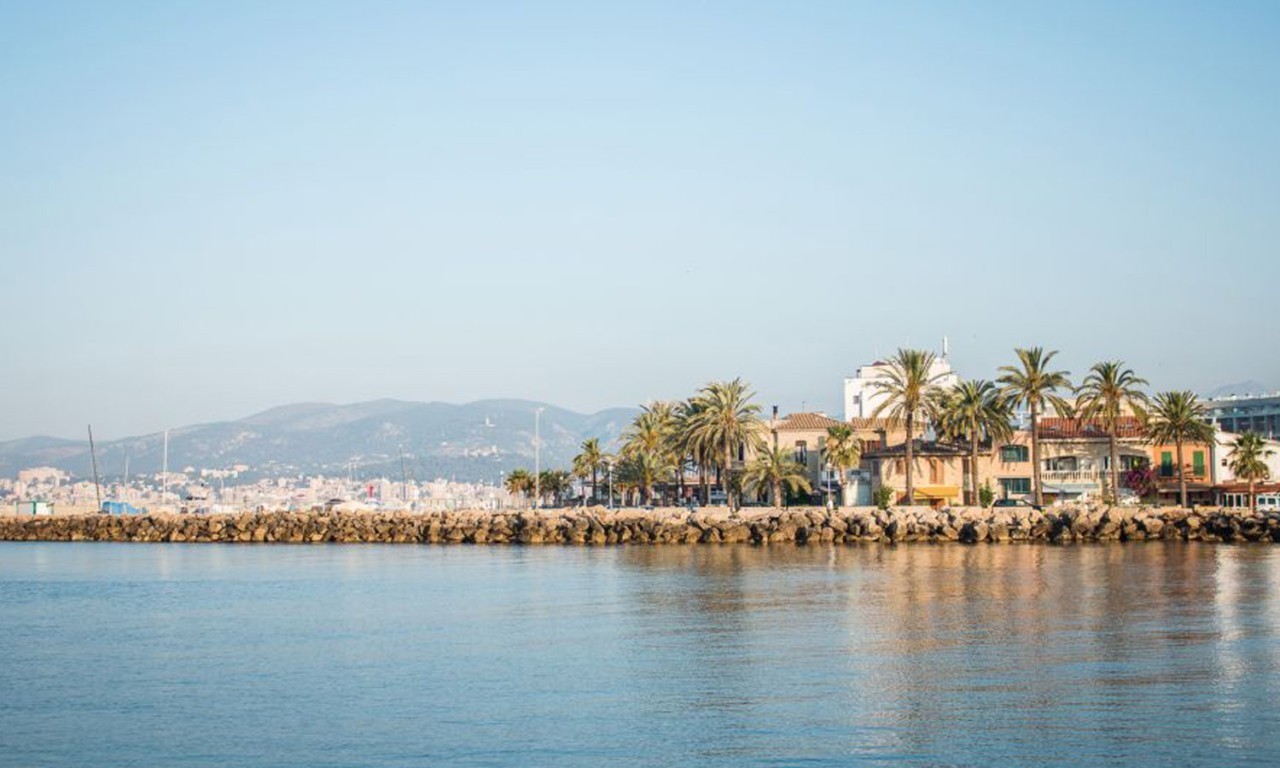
(1250, 387)
(470, 442)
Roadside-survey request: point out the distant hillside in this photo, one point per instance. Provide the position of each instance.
(1251, 387)
(469, 442)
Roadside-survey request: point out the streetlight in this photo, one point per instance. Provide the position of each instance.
(537, 458)
(609, 464)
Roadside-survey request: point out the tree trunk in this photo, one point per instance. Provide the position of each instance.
(911, 491)
(1182, 477)
(595, 486)
(973, 469)
(1037, 492)
(1115, 468)
(777, 494)
(1253, 503)
(728, 473)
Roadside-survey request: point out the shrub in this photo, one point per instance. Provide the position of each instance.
(986, 495)
(883, 497)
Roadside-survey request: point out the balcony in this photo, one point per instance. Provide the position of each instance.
(1070, 477)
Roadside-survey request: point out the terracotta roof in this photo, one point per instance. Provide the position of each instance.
(922, 449)
(858, 422)
(1058, 428)
(805, 421)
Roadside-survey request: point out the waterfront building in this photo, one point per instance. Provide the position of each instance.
(862, 397)
(805, 435)
(1076, 455)
(1259, 414)
(1231, 491)
(938, 471)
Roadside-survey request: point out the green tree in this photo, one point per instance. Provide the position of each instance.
(555, 483)
(910, 399)
(588, 463)
(1249, 461)
(649, 444)
(1105, 394)
(519, 482)
(1033, 385)
(844, 452)
(724, 424)
(975, 411)
(1178, 417)
(775, 468)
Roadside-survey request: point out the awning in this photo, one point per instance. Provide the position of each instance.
(942, 492)
(1071, 488)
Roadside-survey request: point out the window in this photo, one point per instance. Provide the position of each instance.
(1166, 464)
(935, 471)
(802, 452)
(1197, 463)
(1012, 454)
(899, 466)
(1015, 485)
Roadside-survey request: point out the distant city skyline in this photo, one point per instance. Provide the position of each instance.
(209, 210)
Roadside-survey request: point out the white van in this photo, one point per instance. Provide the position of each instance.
(1269, 502)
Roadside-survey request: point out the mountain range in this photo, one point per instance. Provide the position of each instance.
(470, 442)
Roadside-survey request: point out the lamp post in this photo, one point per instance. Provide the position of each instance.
(609, 464)
(537, 458)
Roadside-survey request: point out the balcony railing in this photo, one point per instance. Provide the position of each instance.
(1077, 476)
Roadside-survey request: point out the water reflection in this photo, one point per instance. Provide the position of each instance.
(1153, 654)
(912, 645)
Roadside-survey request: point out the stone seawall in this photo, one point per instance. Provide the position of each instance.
(598, 526)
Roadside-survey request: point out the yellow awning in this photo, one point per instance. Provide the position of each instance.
(938, 491)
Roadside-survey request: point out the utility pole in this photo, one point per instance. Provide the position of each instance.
(537, 458)
(164, 473)
(404, 482)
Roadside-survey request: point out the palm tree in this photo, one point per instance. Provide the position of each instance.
(776, 467)
(519, 482)
(911, 396)
(588, 463)
(1033, 385)
(554, 483)
(690, 444)
(724, 423)
(1178, 417)
(1104, 395)
(1249, 461)
(974, 410)
(844, 452)
(648, 442)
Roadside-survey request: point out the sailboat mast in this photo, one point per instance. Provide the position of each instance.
(93, 456)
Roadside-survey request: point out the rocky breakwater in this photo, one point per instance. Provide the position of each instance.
(597, 526)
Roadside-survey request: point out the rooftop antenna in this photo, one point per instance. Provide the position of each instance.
(93, 455)
(946, 348)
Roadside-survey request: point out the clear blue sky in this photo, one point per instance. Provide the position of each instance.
(207, 209)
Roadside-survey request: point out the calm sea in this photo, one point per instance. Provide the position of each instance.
(175, 655)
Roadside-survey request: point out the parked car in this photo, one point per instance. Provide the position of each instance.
(1017, 503)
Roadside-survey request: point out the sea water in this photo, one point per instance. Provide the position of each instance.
(385, 655)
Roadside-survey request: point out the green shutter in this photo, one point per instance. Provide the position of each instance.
(1166, 464)
(1197, 463)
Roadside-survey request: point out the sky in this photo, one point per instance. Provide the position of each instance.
(209, 209)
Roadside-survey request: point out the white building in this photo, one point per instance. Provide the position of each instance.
(862, 397)
(1225, 448)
